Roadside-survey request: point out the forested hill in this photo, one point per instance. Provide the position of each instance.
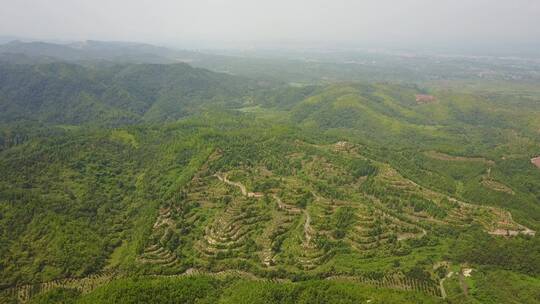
(63, 93)
(132, 176)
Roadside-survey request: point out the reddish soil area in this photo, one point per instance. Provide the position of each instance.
(422, 98)
(536, 161)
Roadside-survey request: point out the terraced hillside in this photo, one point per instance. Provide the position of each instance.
(334, 203)
(24, 293)
(269, 204)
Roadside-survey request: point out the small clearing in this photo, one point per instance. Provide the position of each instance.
(342, 146)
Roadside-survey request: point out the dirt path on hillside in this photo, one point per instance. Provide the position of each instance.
(236, 184)
(283, 206)
(242, 188)
(307, 224)
(307, 228)
(441, 284)
(507, 232)
(463, 284)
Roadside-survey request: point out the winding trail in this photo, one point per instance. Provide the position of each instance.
(283, 206)
(236, 184)
(441, 284)
(243, 188)
(463, 284)
(307, 223)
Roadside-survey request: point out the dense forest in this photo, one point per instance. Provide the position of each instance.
(159, 182)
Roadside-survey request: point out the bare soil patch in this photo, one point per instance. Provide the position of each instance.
(536, 161)
(509, 233)
(425, 99)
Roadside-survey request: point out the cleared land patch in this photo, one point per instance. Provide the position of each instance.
(424, 98)
(536, 161)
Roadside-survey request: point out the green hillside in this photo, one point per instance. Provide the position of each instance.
(62, 93)
(176, 184)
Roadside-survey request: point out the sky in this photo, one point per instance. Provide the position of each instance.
(222, 23)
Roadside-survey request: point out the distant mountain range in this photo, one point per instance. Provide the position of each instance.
(298, 67)
(95, 50)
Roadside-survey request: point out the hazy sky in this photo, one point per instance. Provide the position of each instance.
(361, 22)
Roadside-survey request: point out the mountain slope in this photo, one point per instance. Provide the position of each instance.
(117, 172)
(61, 93)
